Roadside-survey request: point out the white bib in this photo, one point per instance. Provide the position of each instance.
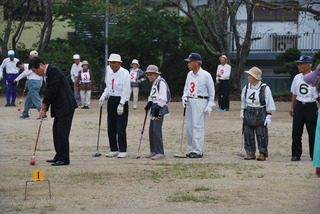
(85, 77)
(154, 93)
(114, 85)
(133, 76)
(193, 87)
(304, 91)
(253, 98)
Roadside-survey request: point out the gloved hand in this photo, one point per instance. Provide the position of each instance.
(267, 122)
(148, 106)
(184, 101)
(92, 86)
(102, 100)
(241, 114)
(208, 110)
(120, 109)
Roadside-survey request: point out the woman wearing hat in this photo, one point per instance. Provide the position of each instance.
(257, 106)
(136, 77)
(86, 83)
(313, 79)
(158, 100)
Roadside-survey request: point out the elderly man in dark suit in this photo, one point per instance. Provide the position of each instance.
(59, 96)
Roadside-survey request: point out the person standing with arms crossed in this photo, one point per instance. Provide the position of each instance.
(223, 75)
(136, 77)
(117, 92)
(74, 72)
(303, 109)
(59, 98)
(198, 98)
(12, 73)
(158, 99)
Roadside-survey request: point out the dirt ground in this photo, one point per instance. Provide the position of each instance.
(221, 182)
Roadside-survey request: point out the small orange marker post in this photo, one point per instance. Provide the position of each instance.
(38, 175)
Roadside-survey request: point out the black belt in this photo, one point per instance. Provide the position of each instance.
(306, 103)
(200, 97)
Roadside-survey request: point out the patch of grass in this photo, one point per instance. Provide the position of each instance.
(182, 197)
(202, 188)
(48, 208)
(193, 170)
(89, 176)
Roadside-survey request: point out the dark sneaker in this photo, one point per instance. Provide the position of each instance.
(195, 155)
(295, 158)
(8, 104)
(12, 104)
(24, 117)
(191, 153)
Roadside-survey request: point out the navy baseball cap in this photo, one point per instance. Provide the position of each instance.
(193, 57)
(305, 59)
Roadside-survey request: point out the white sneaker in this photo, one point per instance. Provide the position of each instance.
(122, 155)
(112, 154)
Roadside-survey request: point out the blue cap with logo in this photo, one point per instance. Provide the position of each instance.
(193, 57)
(305, 59)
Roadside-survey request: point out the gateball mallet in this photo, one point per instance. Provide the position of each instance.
(98, 154)
(144, 124)
(182, 130)
(33, 159)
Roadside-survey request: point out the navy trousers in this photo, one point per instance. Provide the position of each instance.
(117, 125)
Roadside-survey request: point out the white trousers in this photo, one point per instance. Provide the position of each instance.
(135, 91)
(85, 97)
(195, 124)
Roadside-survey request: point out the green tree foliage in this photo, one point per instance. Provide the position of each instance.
(288, 58)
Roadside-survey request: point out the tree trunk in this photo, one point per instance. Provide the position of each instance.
(46, 28)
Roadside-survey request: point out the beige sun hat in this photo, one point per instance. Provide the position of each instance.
(114, 58)
(255, 72)
(152, 69)
(85, 62)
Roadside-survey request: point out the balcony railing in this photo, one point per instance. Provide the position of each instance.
(277, 42)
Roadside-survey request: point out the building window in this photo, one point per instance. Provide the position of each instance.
(262, 13)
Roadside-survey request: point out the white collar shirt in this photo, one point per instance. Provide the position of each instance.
(303, 91)
(118, 84)
(224, 71)
(205, 86)
(29, 74)
(10, 66)
(74, 72)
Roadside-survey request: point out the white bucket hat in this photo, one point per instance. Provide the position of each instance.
(114, 58)
(135, 61)
(34, 53)
(152, 69)
(223, 56)
(10, 53)
(76, 56)
(255, 72)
